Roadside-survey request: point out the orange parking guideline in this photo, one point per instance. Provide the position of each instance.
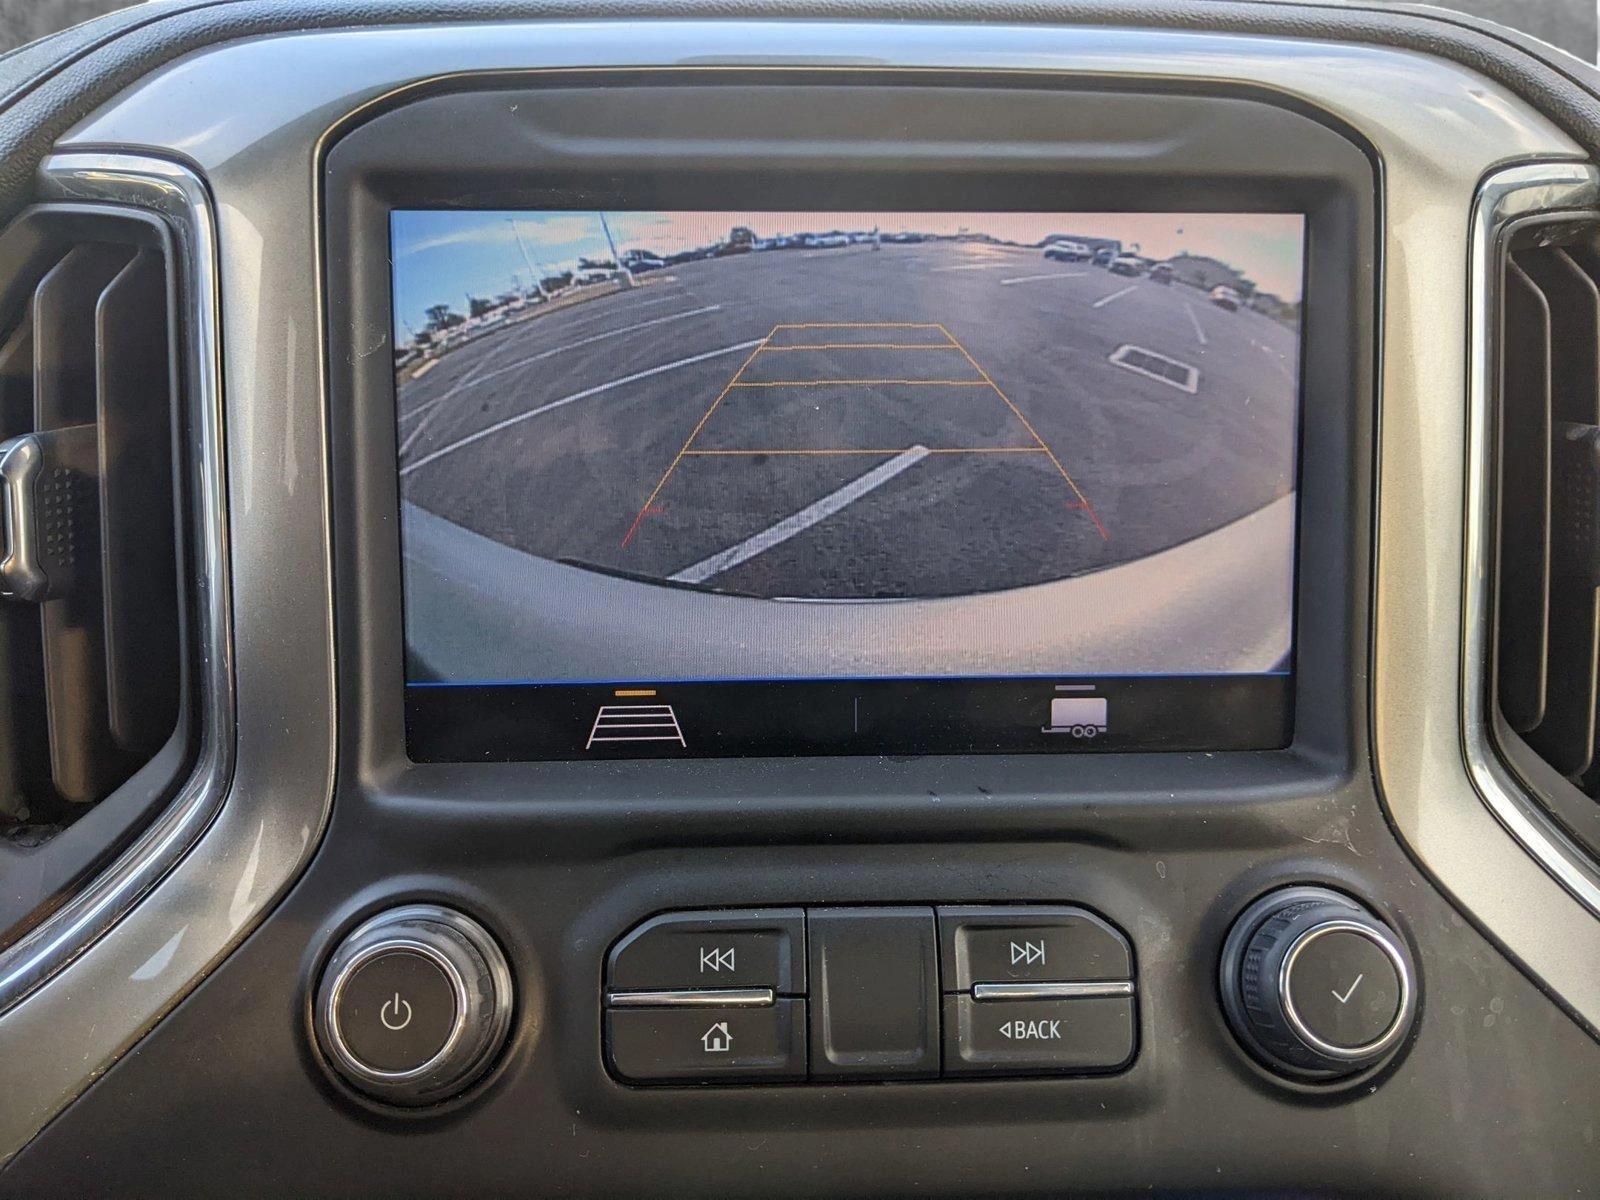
(858, 346)
(687, 451)
(1028, 425)
(770, 383)
(701, 424)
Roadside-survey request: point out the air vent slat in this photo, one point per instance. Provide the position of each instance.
(84, 762)
(1545, 664)
(135, 473)
(95, 732)
(88, 577)
(24, 744)
(16, 381)
(63, 335)
(1565, 735)
(1524, 559)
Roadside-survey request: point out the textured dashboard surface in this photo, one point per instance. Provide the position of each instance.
(47, 87)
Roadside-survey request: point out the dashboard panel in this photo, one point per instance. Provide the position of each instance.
(1138, 848)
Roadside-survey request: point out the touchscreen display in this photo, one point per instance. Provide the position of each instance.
(715, 484)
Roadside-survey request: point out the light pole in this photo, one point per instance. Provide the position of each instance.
(538, 275)
(627, 275)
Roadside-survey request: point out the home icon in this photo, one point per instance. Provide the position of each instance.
(717, 1039)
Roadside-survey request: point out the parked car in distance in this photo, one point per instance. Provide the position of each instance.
(1127, 264)
(1068, 252)
(1161, 273)
(593, 275)
(643, 263)
(1225, 297)
(1104, 256)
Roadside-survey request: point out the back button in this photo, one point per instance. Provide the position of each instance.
(1031, 1037)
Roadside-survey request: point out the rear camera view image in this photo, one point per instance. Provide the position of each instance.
(695, 446)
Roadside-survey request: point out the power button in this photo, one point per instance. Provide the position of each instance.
(397, 1010)
(414, 1005)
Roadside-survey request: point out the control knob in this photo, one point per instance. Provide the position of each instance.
(1315, 985)
(414, 1005)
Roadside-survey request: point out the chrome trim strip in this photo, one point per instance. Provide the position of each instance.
(1504, 197)
(1052, 991)
(178, 195)
(697, 998)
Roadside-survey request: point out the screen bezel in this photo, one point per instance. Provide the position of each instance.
(513, 161)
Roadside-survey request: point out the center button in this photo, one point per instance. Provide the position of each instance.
(396, 1011)
(1342, 987)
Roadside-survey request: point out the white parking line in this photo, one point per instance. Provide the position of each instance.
(1105, 300)
(1141, 361)
(969, 267)
(496, 351)
(625, 300)
(1051, 275)
(808, 516)
(565, 400)
(432, 408)
(597, 337)
(1195, 321)
(478, 374)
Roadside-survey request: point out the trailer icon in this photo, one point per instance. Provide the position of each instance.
(1080, 716)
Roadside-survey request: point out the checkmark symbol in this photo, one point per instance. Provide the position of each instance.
(1345, 999)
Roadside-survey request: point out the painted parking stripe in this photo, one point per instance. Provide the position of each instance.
(1195, 321)
(970, 267)
(617, 302)
(1162, 368)
(432, 408)
(597, 337)
(1049, 275)
(576, 396)
(473, 376)
(1105, 300)
(808, 516)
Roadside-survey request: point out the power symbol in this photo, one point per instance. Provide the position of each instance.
(395, 1013)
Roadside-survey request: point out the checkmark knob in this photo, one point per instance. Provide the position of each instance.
(1316, 985)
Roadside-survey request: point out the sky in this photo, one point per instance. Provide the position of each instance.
(443, 256)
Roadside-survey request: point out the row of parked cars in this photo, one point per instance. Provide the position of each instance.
(743, 241)
(1134, 265)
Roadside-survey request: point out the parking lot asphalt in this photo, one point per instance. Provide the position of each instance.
(917, 420)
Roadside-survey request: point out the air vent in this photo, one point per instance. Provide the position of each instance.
(91, 627)
(1546, 670)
